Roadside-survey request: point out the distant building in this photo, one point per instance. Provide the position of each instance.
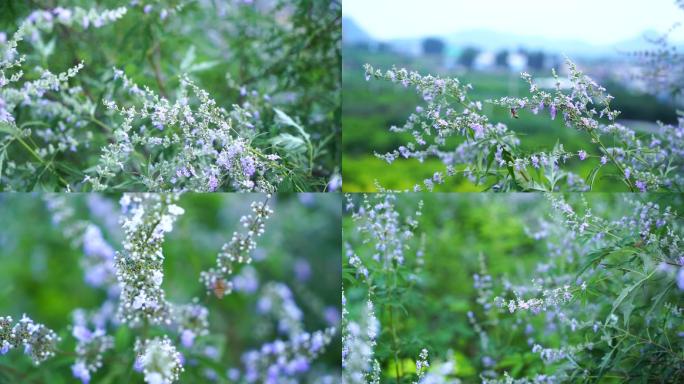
(485, 61)
(517, 62)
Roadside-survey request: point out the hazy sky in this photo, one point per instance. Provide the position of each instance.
(593, 21)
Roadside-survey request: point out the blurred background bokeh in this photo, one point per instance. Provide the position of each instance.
(488, 44)
(41, 275)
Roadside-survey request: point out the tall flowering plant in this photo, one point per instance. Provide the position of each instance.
(513, 289)
(490, 154)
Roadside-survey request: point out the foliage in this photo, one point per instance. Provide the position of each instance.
(513, 289)
(199, 78)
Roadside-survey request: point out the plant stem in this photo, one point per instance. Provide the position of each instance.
(40, 159)
(614, 160)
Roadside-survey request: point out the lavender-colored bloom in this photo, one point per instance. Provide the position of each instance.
(82, 333)
(641, 185)
(212, 183)
(335, 183)
(487, 361)
(552, 111)
(187, 338)
(582, 154)
(302, 270)
(80, 371)
(248, 166)
(5, 115)
(680, 279)
(535, 161)
(604, 160)
(478, 130)
(5, 347)
(332, 316)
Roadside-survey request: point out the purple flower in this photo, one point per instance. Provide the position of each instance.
(641, 185)
(302, 270)
(212, 183)
(5, 347)
(628, 173)
(487, 361)
(80, 371)
(582, 154)
(248, 166)
(335, 183)
(187, 338)
(680, 279)
(332, 316)
(535, 161)
(82, 333)
(478, 130)
(604, 160)
(138, 365)
(552, 111)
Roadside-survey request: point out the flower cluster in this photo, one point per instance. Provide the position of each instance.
(159, 360)
(39, 342)
(379, 221)
(191, 321)
(211, 146)
(277, 300)
(45, 21)
(279, 360)
(238, 250)
(90, 347)
(99, 258)
(358, 342)
(490, 152)
(59, 111)
(139, 266)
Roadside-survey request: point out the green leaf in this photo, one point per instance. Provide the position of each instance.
(8, 128)
(283, 118)
(203, 66)
(628, 290)
(289, 142)
(188, 59)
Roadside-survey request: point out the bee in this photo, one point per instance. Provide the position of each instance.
(514, 113)
(220, 288)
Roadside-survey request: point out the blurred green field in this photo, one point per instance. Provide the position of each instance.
(370, 108)
(40, 275)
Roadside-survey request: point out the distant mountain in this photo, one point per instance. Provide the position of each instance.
(352, 33)
(491, 40)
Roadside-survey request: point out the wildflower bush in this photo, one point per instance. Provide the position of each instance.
(137, 288)
(513, 289)
(170, 95)
(489, 153)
